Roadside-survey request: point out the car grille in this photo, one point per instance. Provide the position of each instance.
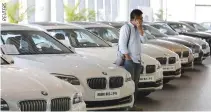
(106, 103)
(97, 83)
(162, 60)
(60, 104)
(179, 53)
(150, 68)
(170, 73)
(33, 105)
(172, 60)
(185, 53)
(204, 46)
(150, 84)
(116, 82)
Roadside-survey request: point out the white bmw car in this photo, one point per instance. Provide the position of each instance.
(87, 43)
(168, 59)
(103, 85)
(25, 89)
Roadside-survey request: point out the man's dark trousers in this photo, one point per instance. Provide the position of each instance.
(135, 71)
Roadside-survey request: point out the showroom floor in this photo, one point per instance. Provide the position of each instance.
(191, 92)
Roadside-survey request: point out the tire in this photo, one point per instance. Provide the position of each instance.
(165, 81)
(143, 94)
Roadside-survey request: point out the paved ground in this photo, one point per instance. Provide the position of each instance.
(191, 92)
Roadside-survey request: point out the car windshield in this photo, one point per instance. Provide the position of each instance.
(164, 29)
(80, 38)
(33, 42)
(153, 31)
(199, 27)
(108, 34)
(181, 27)
(207, 25)
(4, 62)
(147, 36)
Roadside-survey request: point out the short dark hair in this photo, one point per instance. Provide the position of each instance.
(135, 13)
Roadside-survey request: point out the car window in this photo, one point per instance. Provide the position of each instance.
(33, 42)
(206, 25)
(153, 31)
(80, 38)
(108, 34)
(199, 27)
(182, 27)
(147, 36)
(164, 29)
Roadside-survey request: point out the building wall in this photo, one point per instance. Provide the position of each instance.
(186, 10)
(107, 10)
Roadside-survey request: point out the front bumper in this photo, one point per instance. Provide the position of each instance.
(188, 65)
(150, 86)
(105, 103)
(172, 74)
(79, 107)
(124, 102)
(206, 55)
(152, 81)
(199, 59)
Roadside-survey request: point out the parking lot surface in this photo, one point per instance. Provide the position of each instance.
(189, 93)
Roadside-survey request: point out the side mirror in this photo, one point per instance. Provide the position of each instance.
(59, 36)
(95, 32)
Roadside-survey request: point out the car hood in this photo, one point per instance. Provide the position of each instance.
(191, 39)
(179, 41)
(198, 34)
(109, 54)
(31, 81)
(169, 45)
(157, 51)
(68, 64)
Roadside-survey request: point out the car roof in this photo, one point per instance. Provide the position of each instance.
(91, 24)
(12, 27)
(56, 25)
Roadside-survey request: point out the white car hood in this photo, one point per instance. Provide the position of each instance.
(109, 54)
(21, 81)
(67, 64)
(157, 51)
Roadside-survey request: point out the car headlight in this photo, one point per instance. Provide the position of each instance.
(128, 77)
(69, 78)
(77, 98)
(4, 105)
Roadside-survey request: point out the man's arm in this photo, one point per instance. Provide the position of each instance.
(123, 41)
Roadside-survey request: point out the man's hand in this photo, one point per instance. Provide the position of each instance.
(127, 57)
(139, 26)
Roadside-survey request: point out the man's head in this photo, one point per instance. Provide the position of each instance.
(136, 16)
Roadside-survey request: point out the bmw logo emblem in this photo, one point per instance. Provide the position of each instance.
(44, 93)
(104, 73)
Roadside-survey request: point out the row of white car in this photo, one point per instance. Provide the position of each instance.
(33, 54)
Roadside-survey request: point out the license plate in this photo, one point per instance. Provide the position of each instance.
(184, 60)
(168, 68)
(146, 78)
(196, 55)
(107, 94)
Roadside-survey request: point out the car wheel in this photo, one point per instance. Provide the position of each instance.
(143, 94)
(165, 81)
